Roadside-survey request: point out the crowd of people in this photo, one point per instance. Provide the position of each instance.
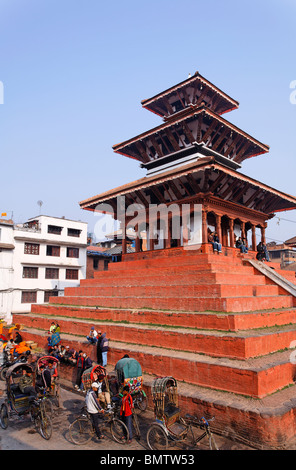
(241, 244)
(77, 358)
(13, 345)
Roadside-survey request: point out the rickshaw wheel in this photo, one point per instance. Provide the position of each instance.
(119, 431)
(4, 416)
(44, 426)
(212, 443)
(141, 402)
(81, 431)
(57, 395)
(3, 373)
(157, 438)
(48, 408)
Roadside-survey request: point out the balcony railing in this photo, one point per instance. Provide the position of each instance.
(28, 227)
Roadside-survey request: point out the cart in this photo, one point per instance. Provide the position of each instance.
(52, 363)
(169, 427)
(129, 372)
(18, 404)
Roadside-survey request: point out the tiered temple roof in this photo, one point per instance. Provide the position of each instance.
(194, 152)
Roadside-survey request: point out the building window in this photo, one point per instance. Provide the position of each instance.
(30, 273)
(95, 263)
(31, 249)
(71, 273)
(50, 293)
(73, 232)
(51, 273)
(72, 252)
(29, 297)
(54, 229)
(52, 250)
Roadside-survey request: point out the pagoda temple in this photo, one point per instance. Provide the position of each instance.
(193, 158)
(224, 325)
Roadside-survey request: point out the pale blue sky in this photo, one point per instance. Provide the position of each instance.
(74, 75)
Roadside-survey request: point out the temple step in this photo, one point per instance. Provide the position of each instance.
(255, 378)
(200, 320)
(233, 345)
(195, 304)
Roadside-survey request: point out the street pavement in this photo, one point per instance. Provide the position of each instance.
(21, 434)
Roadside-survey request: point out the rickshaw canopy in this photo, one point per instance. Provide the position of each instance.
(46, 359)
(21, 366)
(129, 372)
(91, 375)
(128, 368)
(160, 385)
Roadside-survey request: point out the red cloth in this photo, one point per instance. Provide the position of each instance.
(126, 405)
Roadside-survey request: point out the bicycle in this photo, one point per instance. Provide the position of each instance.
(82, 431)
(40, 417)
(203, 424)
(46, 401)
(158, 436)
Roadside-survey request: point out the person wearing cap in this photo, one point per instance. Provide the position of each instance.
(92, 338)
(94, 408)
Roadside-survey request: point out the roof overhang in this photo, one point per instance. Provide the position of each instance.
(206, 175)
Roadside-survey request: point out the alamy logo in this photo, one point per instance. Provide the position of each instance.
(293, 94)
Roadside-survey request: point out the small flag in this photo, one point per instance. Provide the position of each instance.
(4, 214)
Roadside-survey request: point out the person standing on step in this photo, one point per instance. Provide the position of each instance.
(99, 352)
(80, 370)
(104, 346)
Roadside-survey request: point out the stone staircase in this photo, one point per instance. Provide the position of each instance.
(214, 322)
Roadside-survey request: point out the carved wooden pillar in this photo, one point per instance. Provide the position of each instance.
(231, 233)
(243, 230)
(218, 227)
(168, 238)
(138, 243)
(263, 238)
(204, 226)
(124, 238)
(254, 244)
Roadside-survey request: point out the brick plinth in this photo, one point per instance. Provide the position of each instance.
(212, 321)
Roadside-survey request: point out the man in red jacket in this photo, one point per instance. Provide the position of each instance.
(126, 410)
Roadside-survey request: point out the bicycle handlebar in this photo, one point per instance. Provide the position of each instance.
(201, 421)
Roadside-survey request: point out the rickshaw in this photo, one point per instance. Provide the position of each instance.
(129, 373)
(92, 374)
(19, 404)
(169, 426)
(81, 430)
(54, 391)
(8, 362)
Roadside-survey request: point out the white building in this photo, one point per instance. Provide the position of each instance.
(6, 266)
(49, 254)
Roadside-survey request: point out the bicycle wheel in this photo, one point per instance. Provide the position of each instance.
(44, 426)
(212, 442)
(157, 438)
(119, 431)
(136, 426)
(142, 401)
(81, 431)
(4, 416)
(3, 373)
(48, 408)
(57, 395)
